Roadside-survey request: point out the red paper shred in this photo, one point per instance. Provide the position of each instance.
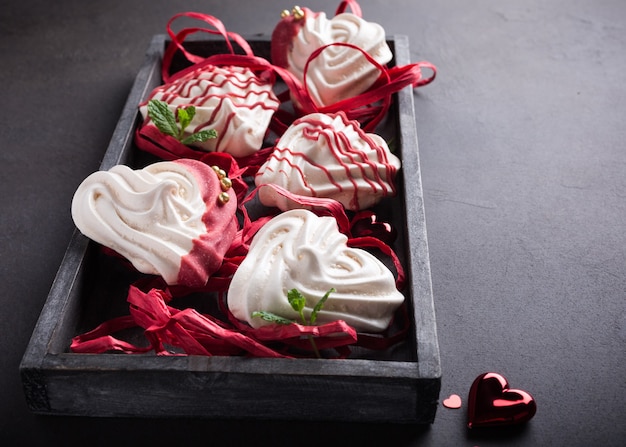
(369, 108)
(194, 333)
(100, 340)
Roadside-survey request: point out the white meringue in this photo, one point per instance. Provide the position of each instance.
(339, 72)
(231, 100)
(329, 156)
(297, 249)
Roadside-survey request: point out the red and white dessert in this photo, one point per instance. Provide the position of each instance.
(338, 72)
(299, 250)
(329, 156)
(174, 219)
(231, 100)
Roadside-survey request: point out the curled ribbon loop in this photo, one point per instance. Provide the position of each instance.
(179, 38)
(354, 106)
(361, 107)
(352, 4)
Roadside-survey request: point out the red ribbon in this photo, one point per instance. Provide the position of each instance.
(352, 4)
(179, 38)
(369, 108)
(194, 333)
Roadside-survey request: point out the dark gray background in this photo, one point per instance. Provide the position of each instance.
(523, 167)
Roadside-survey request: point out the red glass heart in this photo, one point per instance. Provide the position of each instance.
(491, 403)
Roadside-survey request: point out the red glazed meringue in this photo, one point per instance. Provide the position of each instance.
(174, 219)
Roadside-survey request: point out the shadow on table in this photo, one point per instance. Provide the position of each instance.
(503, 434)
(70, 431)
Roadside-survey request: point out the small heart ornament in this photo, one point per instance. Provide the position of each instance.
(454, 401)
(491, 403)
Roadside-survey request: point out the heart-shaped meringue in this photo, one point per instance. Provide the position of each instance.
(167, 219)
(231, 100)
(492, 403)
(299, 250)
(339, 72)
(329, 156)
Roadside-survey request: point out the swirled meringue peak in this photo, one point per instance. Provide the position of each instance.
(167, 219)
(299, 250)
(322, 155)
(231, 100)
(339, 72)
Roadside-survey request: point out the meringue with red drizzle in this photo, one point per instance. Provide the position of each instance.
(299, 250)
(175, 219)
(231, 100)
(330, 156)
(338, 72)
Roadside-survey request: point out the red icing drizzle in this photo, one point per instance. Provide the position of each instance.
(208, 250)
(182, 86)
(340, 145)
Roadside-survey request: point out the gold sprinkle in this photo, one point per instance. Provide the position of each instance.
(219, 171)
(223, 198)
(297, 12)
(226, 184)
(284, 13)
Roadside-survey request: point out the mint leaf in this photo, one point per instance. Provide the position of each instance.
(297, 301)
(268, 316)
(168, 124)
(162, 117)
(184, 116)
(200, 137)
(319, 305)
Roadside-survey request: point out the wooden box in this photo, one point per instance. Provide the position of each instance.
(399, 385)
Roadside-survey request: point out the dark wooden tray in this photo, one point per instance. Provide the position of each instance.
(399, 385)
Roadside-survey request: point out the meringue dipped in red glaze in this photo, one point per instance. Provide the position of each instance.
(175, 219)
